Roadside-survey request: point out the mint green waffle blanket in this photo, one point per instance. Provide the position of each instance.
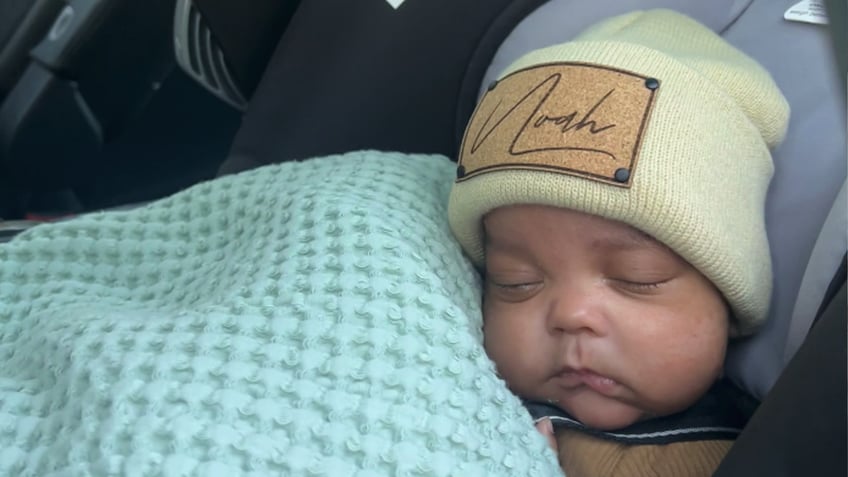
(311, 318)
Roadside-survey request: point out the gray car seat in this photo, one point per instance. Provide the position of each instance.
(806, 222)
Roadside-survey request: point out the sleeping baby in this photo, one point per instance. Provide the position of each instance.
(612, 190)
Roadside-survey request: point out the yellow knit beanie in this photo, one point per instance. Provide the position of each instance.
(650, 119)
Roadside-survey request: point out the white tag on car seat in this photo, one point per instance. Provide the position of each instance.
(807, 11)
(395, 3)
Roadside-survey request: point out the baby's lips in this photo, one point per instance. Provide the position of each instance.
(594, 381)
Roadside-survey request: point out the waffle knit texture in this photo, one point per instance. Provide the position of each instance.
(704, 164)
(313, 318)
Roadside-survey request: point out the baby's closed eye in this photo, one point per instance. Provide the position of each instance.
(513, 288)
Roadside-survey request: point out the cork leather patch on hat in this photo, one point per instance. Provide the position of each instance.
(572, 118)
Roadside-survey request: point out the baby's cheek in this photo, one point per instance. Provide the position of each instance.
(508, 349)
(687, 375)
(494, 343)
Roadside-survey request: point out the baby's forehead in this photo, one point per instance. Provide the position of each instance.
(614, 234)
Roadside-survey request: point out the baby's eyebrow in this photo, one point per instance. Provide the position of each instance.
(505, 245)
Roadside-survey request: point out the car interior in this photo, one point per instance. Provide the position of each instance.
(109, 105)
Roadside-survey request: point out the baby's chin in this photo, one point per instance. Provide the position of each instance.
(608, 417)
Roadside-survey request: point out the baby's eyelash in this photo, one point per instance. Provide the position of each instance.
(642, 285)
(515, 286)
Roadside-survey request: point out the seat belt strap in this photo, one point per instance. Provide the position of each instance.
(824, 264)
(799, 429)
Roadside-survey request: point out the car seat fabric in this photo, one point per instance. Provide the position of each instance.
(310, 318)
(558, 21)
(809, 167)
(356, 75)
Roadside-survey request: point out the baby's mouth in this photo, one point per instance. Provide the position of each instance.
(570, 378)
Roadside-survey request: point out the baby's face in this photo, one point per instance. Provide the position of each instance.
(598, 317)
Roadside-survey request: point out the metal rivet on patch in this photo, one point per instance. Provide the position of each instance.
(492, 85)
(652, 83)
(460, 172)
(622, 175)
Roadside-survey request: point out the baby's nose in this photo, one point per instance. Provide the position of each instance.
(575, 309)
